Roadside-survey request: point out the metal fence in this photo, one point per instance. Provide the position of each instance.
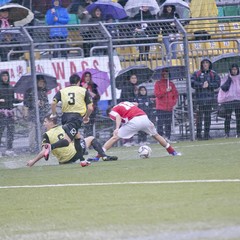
(115, 46)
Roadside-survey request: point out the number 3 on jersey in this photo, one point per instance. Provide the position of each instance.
(71, 98)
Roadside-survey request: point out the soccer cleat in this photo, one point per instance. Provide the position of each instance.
(85, 163)
(93, 159)
(109, 158)
(175, 153)
(47, 151)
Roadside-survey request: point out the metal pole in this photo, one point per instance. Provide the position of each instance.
(35, 88)
(188, 77)
(111, 64)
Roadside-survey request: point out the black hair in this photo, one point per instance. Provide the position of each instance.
(87, 72)
(74, 79)
(140, 88)
(52, 119)
(40, 77)
(109, 109)
(234, 65)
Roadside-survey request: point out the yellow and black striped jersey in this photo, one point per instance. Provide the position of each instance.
(63, 154)
(74, 99)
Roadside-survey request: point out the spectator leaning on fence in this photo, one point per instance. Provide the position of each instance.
(6, 111)
(229, 97)
(204, 81)
(56, 16)
(169, 30)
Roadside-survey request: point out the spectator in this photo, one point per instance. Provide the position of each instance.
(96, 16)
(9, 38)
(84, 15)
(143, 30)
(166, 98)
(229, 97)
(129, 89)
(146, 104)
(92, 88)
(6, 111)
(204, 81)
(169, 30)
(4, 21)
(58, 15)
(129, 93)
(30, 113)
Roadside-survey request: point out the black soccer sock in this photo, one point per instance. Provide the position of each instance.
(59, 144)
(98, 147)
(79, 149)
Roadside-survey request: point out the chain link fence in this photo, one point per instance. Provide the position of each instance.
(113, 47)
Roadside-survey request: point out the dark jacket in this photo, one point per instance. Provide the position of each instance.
(145, 103)
(168, 27)
(198, 78)
(43, 106)
(92, 87)
(149, 29)
(129, 91)
(7, 93)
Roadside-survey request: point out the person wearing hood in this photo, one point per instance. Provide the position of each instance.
(229, 97)
(166, 98)
(7, 100)
(30, 113)
(55, 16)
(169, 29)
(205, 81)
(87, 83)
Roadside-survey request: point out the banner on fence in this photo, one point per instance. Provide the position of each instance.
(62, 69)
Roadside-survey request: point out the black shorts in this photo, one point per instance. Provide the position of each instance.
(71, 123)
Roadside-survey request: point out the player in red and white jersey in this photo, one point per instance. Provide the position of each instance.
(126, 110)
(129, 120)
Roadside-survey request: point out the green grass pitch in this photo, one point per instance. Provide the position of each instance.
(194, 196)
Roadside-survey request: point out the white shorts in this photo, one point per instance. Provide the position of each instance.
(139, 123)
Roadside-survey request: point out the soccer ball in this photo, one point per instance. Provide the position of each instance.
(144, 151)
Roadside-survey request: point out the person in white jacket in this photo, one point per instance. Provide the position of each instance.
(229, 97)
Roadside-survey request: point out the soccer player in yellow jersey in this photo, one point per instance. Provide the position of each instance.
(77, 106)
(68, 154)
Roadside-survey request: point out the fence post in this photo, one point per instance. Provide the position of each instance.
(188, 78)
(35, 88)
(111, 64)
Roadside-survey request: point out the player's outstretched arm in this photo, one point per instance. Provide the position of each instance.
(40, 155)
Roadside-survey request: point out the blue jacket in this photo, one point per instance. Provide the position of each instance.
(63, 18)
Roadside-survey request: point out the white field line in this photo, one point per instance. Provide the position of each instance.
(124, 183)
